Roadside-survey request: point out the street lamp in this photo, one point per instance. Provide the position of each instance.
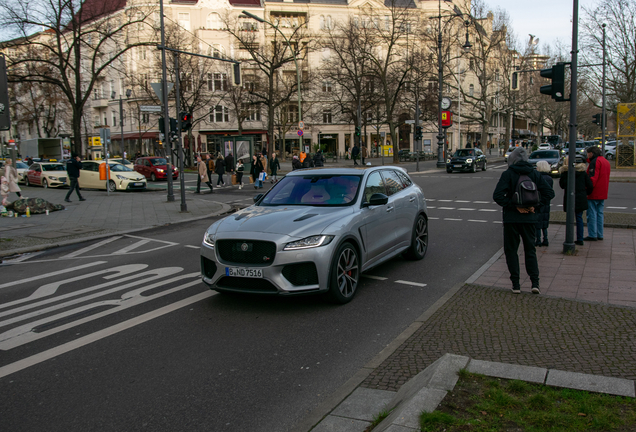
(300, 113)
(440, 69)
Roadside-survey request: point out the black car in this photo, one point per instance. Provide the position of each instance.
(552, 157)
(466, 160)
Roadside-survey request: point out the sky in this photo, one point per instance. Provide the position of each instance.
(548, 20)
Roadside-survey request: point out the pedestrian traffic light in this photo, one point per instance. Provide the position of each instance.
(418, 133)
(186, 121)
(173, 125)
(358, 131)
(557, 74)
(597, 119)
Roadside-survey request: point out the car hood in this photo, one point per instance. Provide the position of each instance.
(295, 221)
(134, 176)
(548, 160)
(461, 158)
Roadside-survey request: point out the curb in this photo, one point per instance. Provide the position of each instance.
(225, 208)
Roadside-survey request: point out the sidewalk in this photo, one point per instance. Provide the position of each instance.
(582, 326)
(99, 216)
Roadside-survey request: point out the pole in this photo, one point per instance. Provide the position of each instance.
(177, 102)
(440, 78)
(568, 245)
(121, 122)
(417, 124)
(603, 125)
(166, 112)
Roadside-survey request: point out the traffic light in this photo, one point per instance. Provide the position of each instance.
(173, 125)
(514, 81)
(597, 119)
(358, 131)
(162, 126)
(418, 133)
(557, 74)
(236, 74)
(186, 120)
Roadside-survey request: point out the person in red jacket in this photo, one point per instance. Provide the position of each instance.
(599, 172)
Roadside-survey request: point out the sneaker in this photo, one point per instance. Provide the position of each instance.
(579, 242)
(588, 238)
(599, 238)
(82, 199)
(536, 290)
(537, 243)
(67, 200)
(545, 243)
(516, 290)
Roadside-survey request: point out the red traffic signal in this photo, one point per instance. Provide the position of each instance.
(186, 121)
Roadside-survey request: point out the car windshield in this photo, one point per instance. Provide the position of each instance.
(53, 167)
(123, 161)
(548, 154)
(158, 161)
(464, 153)
(314, 190)
(21, 165)
(118, 167)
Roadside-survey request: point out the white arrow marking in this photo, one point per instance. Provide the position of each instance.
(48, 275)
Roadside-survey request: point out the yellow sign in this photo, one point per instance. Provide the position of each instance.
(94, 141)
(626, 120)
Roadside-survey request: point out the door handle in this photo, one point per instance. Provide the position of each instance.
(412, 199)
(388, 209)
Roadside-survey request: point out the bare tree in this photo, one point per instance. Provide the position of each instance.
(41, 105)
(79, 42)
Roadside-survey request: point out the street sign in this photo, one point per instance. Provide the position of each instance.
(447, 119)
(150, 108)
(301, 125)
(300, 132)
(158, 88)
(409, 121)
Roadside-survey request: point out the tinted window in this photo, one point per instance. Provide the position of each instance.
(158, 161)
(21, 165)
(464, 152)
(405, 179)
(547, 154)
(52, 167)
(374, 185)
(119, 167)
(315, 190)
(392, 181)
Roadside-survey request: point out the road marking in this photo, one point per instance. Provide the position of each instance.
(428, 199)
(83, 341)
(380, 278)
(452, 219)
(446, 208)
(497, 222)
(48, 275)
(91, 247)
(431, 218)
(487, 210)
(466, 209)
(445, 200)
(462, 201)
(476, 220)
(193, 247)
(431, 207)
(481, 202)
(410, 283)
(131, 247)
(617, 208)
(24, 257)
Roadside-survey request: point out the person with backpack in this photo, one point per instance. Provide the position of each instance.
(319, 159)
(544, 211)
(520, 190)
(583, 186)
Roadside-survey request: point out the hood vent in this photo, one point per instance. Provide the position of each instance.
(305, 217)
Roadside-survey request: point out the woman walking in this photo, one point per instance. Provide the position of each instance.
(11, 176)
(239, 173)
(582, 188)
(257, 169)
(543, 212)
(220, 170)
(274, 166)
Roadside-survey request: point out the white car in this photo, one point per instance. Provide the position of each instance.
(124, 162)
(121, 178)
(545, 146)
(21, 168)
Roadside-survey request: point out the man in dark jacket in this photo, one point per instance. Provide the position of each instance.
(229, 166)
(519, 222)
(319, 159)
(355, 151)
(73, 167)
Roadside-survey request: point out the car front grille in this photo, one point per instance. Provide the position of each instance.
(246, 251)
(301, 274)
(242, 284)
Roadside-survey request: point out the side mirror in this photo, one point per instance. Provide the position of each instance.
(258, 197)
(377, 199)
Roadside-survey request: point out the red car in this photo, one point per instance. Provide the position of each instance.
(155, 168)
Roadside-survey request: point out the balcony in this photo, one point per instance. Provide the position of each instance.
(99, 102)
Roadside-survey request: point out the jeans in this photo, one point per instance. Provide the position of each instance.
(74, 187)
(579, 226)
(513, 234)
(545, 234)
(595, 218)
(259, 183)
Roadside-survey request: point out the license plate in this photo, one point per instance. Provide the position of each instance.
(138, 184)
(458, 166)
(243, 272)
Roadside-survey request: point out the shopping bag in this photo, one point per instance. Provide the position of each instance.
(262, 176)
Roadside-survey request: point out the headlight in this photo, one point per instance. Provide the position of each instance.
(121, 177)
(447, 160)
(159, 170)
(53, 178)
(554, 166)
(209, 239)
(309, 242)
(469, 161)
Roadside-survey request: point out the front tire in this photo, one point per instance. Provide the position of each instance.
(26, 182)
(153, 177)
(45, 184)
(474, 168)
(419, 239)
(111, 186)
(344, 274)
(485, 166)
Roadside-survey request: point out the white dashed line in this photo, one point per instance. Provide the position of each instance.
(488, 210)
(481, 202)
(445, 200)
(431, 218)
(617, 208)
(193, 247)
(453, 219)
(461, 201)
(380, 278)
(466, 209)
(431, 207)
(410, 283)
(475, 220)
(446, 208)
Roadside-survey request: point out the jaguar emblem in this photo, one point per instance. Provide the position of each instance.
(244, 247)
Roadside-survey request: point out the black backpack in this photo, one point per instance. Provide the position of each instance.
(526, 193)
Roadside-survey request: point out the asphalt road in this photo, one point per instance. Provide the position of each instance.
(121, 334)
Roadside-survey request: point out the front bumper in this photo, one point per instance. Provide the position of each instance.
(292, 272)
(459, 166)
(61, 181)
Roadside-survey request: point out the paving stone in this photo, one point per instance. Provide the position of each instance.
(364, 404)
(340, 424)
(593, 383)
(426, 400)
(508, 371)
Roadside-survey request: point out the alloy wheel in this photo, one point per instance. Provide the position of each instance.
(348, 272)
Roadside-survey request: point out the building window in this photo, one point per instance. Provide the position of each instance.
(145, 118)
(326, 116)
(325, 54)
(114, 118)
(184, 20)
(217, 82)
(105, 120)
(326, 86)
(252, 112)
(471, 90)
(221, 114)
(325, 22)
(214, 21)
